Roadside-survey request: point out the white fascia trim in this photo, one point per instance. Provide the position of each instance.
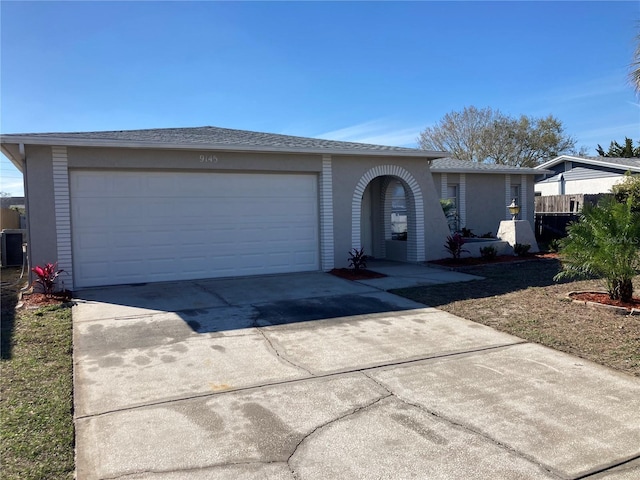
(61, 141)
(587, 161)
(506, 171)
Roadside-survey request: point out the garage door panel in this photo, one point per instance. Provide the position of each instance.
(131, 227)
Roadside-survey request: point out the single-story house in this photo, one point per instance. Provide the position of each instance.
(124, 207)
(569, 175)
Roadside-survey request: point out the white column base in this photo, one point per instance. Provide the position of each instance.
(518, 231)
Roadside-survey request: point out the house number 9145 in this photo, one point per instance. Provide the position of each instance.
(205, 158)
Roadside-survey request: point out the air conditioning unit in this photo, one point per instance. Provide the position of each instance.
(12, 253)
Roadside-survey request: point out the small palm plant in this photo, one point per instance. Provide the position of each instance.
(604, 243)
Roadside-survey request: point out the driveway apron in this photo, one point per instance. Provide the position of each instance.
(309, 376)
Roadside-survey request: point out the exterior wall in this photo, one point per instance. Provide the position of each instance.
(587, 186)
(485, 202)
(41, 214)
(347, 173)
(485, 198)
(111, 158)
(548, 188)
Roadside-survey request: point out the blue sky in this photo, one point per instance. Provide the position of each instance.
(376, 72)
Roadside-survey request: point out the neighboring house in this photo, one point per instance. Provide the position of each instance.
(12, 202)
(570, 175)
(481, 192)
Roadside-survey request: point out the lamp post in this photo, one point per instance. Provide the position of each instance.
(514, 209)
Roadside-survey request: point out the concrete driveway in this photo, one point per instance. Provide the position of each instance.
(309, 376)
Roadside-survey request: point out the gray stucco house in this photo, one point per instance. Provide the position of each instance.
(124, 207)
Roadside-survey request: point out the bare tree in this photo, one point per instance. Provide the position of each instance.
(488, 135)
(460, 133)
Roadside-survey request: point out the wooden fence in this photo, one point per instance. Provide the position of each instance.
(566, 203)
(9, 219)
(555, 212)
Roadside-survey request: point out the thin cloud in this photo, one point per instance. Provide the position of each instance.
(628, 129)
(376, 132)
(598, 87)
(13, 188)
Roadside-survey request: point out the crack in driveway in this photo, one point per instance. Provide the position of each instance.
(466, 428)
(281, 356)
(331, 422)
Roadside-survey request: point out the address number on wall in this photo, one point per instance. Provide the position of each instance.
(206, 158)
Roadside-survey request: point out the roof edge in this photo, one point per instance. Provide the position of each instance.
(589, 161)
(512, 170)
(67, 142)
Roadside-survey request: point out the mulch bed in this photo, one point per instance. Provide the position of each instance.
(603, 299)
(475, 261)
(37, 300)
(350, 274)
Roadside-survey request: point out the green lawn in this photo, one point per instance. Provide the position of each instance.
(36, 386)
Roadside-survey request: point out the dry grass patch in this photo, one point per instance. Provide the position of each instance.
(523, 299)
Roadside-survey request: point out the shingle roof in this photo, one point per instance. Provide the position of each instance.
(453, 165)
(213, 137)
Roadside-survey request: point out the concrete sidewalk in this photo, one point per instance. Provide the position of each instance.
(309, 376)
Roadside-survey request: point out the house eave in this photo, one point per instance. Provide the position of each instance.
(587, 161)
(17, 161)
(68, 142)
(509, 171)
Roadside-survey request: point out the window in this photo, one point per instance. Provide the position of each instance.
(515, 193)
(398, 212)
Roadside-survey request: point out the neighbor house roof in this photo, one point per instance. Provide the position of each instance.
(453, 165)
(623, 164)
(213, 138)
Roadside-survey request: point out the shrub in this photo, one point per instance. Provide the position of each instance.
(467, 233)
(450, 213)
(47, 276)
(487, 235)
(454, 245)
(628, 188)
(489, 252)
(521, 249)
(604, 243)
(357, 259)
(554, 245)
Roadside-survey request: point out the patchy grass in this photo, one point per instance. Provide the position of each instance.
(523, 299)
(36, 411)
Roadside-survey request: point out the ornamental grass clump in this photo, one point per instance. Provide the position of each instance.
(604, 243)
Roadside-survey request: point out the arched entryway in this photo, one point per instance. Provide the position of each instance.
(372, 209)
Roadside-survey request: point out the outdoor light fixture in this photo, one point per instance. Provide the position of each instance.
(514, 209)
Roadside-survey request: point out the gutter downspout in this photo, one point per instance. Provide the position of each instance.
(23, 159)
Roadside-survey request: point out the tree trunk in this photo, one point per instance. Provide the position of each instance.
(622, 290)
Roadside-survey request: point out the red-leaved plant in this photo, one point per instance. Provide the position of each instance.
(47, 276)
(454, 245)
(357, 259)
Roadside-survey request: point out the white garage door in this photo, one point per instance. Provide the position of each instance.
(133, 227)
